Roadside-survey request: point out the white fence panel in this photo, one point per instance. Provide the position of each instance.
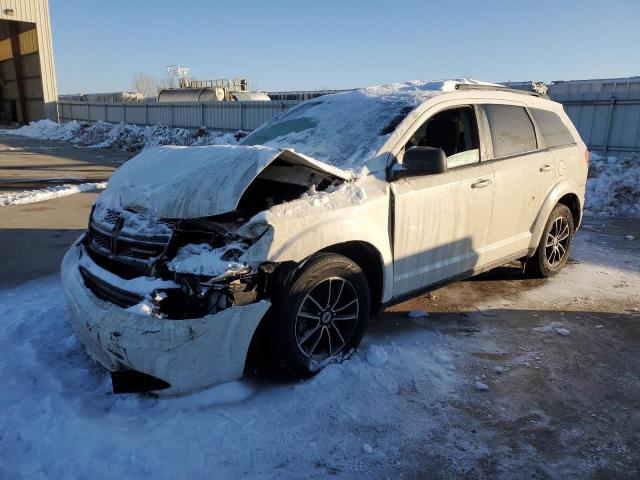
(115, 112)
(186, 115)
(136, 113)
(159, 114)
(226, 116)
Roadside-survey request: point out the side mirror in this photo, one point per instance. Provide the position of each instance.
(421, 161)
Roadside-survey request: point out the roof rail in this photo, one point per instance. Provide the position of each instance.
(474, 86)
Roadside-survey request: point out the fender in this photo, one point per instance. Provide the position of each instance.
(563, 187)
(296, 239)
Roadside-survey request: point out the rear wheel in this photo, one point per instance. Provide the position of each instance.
(321, 315)
(553, 250)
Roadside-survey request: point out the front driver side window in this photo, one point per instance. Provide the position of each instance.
(455, 131)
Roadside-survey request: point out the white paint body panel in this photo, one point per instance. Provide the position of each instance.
(522, 183)
(441, 226)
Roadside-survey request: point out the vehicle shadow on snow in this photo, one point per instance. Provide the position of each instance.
(31, 253)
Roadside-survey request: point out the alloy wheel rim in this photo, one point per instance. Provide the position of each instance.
(327, 318)
(557, 243)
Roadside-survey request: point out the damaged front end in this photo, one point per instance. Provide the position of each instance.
(198, 255)
(160, 291)
(165, 305)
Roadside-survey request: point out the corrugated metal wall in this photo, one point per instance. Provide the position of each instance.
(607, 121)
(222, 116)
(36, 11)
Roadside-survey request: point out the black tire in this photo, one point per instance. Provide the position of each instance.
(553, 250)
(296, 316)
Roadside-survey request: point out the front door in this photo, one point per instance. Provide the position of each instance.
(441, 221)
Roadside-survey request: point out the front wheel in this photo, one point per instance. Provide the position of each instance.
(553, 250)
(321, 315)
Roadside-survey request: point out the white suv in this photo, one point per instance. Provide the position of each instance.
(334, 209)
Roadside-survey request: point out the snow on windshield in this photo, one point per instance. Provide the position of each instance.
(347, 129)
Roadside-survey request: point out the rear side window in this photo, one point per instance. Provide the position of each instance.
(553, 129)
(511, 130)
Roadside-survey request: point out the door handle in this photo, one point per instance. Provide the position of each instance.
(481, 183)
(546, 168)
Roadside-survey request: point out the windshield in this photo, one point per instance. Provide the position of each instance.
(347, 129)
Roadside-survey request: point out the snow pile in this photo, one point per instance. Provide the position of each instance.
(613, 186)
(483, 387)
(122, 136)
(556, 327)
(59, 419)
(41, 194)
(377, 355)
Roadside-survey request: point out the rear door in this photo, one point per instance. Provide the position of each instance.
(560, 142)
(441, 221)
(524, 174)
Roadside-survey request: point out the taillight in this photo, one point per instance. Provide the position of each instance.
(586, 156)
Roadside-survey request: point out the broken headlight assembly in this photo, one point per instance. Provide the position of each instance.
(205, 292)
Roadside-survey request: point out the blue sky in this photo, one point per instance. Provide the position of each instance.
(285, 45)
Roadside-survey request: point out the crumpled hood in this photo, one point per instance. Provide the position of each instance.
(191, 182)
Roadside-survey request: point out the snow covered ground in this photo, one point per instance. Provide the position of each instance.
(42, 194)
(61, 421)
(442, 395)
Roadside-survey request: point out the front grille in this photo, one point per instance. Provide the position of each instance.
(115, 244)
(138, 250)
(104, 291)
(111, 217)
(101, 240)
(124, 268)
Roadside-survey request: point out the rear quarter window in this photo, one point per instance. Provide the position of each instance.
(511, 130)
(553, 130)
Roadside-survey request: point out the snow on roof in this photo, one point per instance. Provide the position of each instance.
(347, 129)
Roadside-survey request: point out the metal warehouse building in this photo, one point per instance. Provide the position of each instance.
(27, 77)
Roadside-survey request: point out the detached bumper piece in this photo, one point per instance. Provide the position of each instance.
(130, 381)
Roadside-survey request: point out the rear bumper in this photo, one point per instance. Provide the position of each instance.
(189, 355)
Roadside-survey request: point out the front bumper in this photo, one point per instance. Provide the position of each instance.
(189, 355)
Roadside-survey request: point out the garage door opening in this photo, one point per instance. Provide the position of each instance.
(21, 91)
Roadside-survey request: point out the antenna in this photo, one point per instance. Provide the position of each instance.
(182, 73)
